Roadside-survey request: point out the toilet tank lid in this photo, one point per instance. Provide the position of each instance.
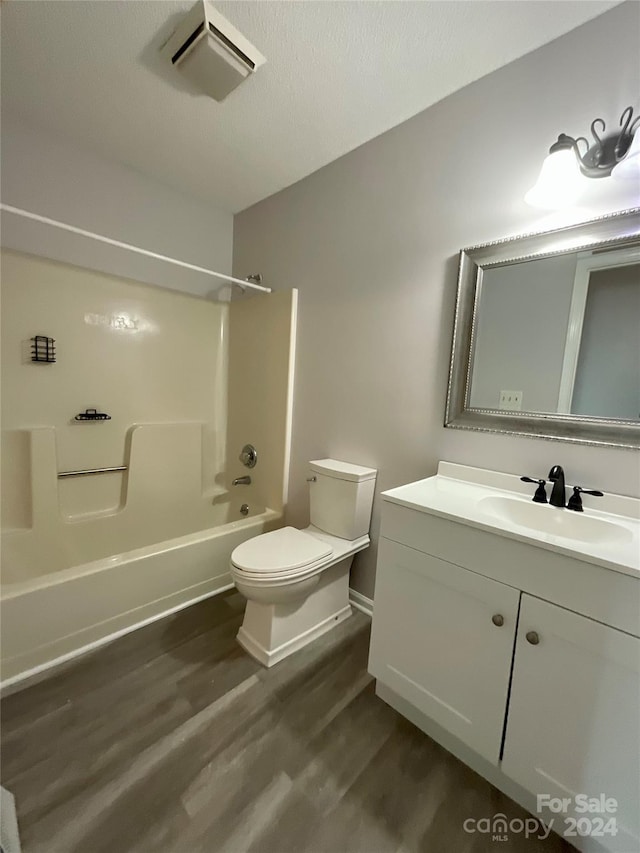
(342, 470)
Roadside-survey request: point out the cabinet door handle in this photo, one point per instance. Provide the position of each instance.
(532, 637)
(498, 620)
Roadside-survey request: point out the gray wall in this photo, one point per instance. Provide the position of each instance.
(51, 176)
(371, 242)
(522, 330)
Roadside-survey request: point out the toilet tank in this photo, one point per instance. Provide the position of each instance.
(341, 497)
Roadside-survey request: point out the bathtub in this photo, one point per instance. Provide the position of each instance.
(53, 610)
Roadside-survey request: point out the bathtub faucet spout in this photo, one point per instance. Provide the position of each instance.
(242, 481)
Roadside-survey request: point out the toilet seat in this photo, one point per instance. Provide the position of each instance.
(279, 556)
(272, 581)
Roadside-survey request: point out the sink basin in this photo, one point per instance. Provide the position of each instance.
(544, 518)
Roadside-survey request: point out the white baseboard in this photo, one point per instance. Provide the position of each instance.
(361, 602)
(45, 670)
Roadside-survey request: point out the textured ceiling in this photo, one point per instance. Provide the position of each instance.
(338, 74)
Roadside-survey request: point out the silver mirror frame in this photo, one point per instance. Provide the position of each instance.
(616, 229)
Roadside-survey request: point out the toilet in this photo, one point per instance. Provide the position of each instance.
(296, 582)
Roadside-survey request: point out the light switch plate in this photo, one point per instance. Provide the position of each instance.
(511, 400)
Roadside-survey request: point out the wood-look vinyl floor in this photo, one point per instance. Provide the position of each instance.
(172, 739)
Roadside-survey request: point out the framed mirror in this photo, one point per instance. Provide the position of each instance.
(546, 338)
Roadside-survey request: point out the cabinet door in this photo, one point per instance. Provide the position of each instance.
(434, 642)
(573, 724)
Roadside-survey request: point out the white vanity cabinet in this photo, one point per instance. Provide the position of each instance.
(443, 639)
(523, 659)
(574, 714)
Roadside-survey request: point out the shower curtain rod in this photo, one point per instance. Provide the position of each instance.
(100, 238)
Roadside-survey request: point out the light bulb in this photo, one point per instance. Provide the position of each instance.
(559, 183)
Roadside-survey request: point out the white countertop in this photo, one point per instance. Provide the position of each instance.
(456, 493)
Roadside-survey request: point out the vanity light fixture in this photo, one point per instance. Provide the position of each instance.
(565, 167)
(629, 167)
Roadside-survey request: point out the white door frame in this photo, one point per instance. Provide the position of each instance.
(585, 265)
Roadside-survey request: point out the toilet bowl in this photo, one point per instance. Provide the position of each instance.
(296, 582)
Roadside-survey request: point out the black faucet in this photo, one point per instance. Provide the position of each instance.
(558, 494)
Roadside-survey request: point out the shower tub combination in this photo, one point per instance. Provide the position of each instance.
(111, 523)
(64, 589)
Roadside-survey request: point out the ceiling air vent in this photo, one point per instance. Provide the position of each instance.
(211, 52)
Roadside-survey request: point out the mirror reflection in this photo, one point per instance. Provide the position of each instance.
(560, 335)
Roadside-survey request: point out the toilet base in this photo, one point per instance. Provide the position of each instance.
(271, 632)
